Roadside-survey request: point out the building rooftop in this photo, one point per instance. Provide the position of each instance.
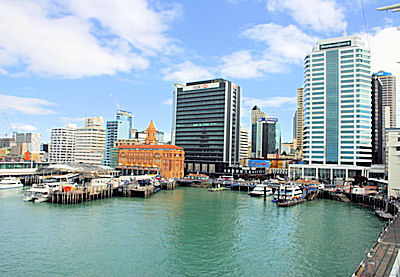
(144, 146)
(382, 73)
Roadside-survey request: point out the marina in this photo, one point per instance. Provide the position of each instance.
(219, 231)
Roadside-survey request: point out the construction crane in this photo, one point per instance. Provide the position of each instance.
(393, 8)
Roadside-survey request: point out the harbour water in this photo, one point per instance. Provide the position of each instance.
(184, 232)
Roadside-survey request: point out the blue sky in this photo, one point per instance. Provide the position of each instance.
(61, 61)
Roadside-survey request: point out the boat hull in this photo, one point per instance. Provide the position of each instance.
(13, 186)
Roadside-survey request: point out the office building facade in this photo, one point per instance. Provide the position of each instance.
(243, 144)
(115, 130)
(378, 128)
(388, 81)
(206, 125)
(90, 142)
(337, 109)
(256, 115)
(267, 138)
(299, 118)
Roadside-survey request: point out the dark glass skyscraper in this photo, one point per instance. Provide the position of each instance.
(377, 122)
(206, 125)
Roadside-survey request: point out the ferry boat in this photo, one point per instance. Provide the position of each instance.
(287, 193)
(258, 191)
(10, 183)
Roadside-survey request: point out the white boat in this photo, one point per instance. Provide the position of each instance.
(10, 183)
(258, 191)
(287, 193)
(40, 192)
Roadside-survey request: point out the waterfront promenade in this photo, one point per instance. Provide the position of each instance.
(381, 259)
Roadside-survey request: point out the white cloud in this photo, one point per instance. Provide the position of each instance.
(22, 127)
(132, 20)
(273, 102)
(320, 15)
(168, 102)
(385, 55)
(72, 119)
(281, 46)
(243, 65)
(81, 38)
(26, 105)
(286, 44)
(186, 72)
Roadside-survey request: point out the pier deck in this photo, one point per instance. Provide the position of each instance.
(381, 259)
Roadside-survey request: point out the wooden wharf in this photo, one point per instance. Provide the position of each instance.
(168, 185)
(382, 258)
(81, 195)
(136, 191)
(90, 193)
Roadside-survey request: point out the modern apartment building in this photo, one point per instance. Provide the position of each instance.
(90, 142)
(206, 125)
(62, 144)
(115, 130)
(337, 109)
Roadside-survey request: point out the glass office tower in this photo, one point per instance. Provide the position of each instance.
(337, 103)
(206, 125)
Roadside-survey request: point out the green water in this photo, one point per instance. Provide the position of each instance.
(185, 232)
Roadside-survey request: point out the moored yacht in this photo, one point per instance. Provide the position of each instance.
(40, 192)
(10, 183)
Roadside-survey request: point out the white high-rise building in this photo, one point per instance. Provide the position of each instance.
(243, 144)
(62, 144)
(337, 109)
(90, 141)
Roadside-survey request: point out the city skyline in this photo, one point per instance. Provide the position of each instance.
(82, 61)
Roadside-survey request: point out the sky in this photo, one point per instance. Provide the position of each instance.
(62, 61)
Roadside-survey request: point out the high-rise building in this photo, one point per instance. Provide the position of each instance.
(378, 128)
(256, 115)
(300, 117)
(243, 144)
(337, 109)
(90, 142)
(337, 103)
(62, 144)
(206, 124)
(115, 130)
(267, 138)
(294, 124)
(388, 94)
